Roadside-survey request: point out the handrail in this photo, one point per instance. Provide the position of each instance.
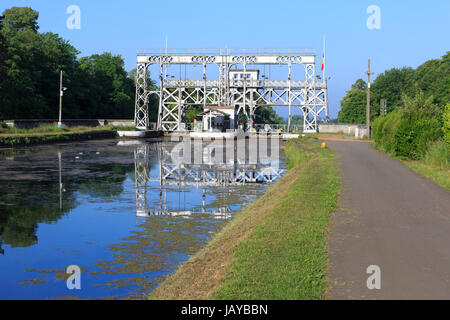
(226, 51)
(240, 83)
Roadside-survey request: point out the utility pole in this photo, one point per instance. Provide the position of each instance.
(369, 73)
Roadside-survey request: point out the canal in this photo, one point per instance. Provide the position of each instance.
(127, 213)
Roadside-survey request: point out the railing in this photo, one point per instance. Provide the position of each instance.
(267, 128)
(191, 126)
(227, 51)
(170, 83)
(278, 128)
(260, 127)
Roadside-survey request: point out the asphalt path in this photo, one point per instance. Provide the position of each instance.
(389, 217)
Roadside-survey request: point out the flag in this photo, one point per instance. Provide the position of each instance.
(323, 63)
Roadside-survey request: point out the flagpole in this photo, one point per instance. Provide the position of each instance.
(324, 58)
(325, 81)
(165, 69)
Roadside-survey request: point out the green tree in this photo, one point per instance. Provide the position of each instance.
(360, 84)
(192, 113)
(353, 105)
(102, 88)
(20, 19)
(433, 77)
(3, 72)
(267, 114)
(390, 85)
(32, 63)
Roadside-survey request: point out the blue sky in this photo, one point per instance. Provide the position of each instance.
(411, 32)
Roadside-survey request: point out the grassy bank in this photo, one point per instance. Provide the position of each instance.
(276, 247)
(440, 175)
(437, 172)
(10, 137)
(433, 164)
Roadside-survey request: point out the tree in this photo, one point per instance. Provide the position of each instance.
(20, 19)
(433, 77)
(110, 90)
(32, 63)
(359, 84)
(353, 105)
(266, 114)
(296, 119)
(390, 85)
(3, 71)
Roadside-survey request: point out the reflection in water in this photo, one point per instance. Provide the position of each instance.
(127, 215)
(177, 172)
(153, 251)
(60, 180)
(171, 230)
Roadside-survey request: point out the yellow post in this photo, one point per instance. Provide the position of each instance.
(324, 145)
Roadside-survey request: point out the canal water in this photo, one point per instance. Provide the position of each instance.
(126, 213)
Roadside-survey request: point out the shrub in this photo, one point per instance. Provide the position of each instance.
(384, 131)
(415, 130)
(406, 132)
(446, 117)
(437, 154)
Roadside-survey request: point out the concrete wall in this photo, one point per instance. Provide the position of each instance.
(70, 123)
(358, 130)
(114, 122)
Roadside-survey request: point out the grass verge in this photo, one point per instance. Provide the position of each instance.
(434, 164)
(53, 128)
(11, 137)
(276, 248)
(438, 174)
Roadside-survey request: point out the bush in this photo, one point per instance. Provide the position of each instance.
(406, 132)
(437, 154)
(384, 128)
(415, 130)
(447, 125)
(4, 127)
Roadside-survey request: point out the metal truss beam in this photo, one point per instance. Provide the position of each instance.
(310, 94)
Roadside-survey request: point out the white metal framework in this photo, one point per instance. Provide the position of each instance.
(174, 174)
(308, 94)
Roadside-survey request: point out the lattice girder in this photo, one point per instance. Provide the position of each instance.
(310, 94)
